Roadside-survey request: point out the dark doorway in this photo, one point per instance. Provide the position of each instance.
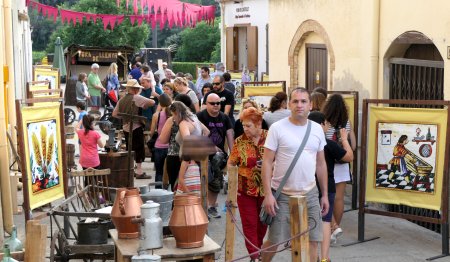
(419, 75)
(316, 66)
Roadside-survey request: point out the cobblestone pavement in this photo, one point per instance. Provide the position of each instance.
(399, 239)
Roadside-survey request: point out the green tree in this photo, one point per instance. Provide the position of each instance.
(198, 43)
(92, 34)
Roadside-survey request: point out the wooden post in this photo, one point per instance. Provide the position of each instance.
(130, 118)
(36, 241)
(204, 183)
(231, 198)
(299, 223)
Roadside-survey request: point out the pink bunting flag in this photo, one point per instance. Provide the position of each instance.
(135, 7)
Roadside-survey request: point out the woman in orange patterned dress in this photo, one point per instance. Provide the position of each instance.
(247, 154)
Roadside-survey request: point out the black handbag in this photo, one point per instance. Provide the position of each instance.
(264, 217)
(152, 141)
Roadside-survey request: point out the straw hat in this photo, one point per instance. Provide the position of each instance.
(133, 83)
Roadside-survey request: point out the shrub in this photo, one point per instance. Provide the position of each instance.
(187, 67)
(38, 55)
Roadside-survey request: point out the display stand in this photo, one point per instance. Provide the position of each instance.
(443, 220)
(21, 145)
(355, 125)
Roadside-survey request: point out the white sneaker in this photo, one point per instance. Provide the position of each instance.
(335, 234)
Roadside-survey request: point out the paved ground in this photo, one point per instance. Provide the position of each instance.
(399, 239)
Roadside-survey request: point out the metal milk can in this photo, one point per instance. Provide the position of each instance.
(152, 227)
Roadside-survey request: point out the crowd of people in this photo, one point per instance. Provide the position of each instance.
(263, 145)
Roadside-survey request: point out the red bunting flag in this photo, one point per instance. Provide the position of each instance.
(172, 12)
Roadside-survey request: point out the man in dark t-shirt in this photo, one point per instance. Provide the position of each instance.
(226, 97)
(220, 129)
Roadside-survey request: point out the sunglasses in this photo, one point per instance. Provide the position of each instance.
(216, 83)
(214, 103)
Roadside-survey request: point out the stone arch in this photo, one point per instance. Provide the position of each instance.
(297, 42)
(415, 46)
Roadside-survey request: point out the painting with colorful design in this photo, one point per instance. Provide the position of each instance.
(43, 148)
(43, 155)
(406, 156)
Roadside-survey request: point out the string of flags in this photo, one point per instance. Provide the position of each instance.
(170, 12)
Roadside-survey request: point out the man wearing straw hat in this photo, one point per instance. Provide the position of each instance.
(133, 103)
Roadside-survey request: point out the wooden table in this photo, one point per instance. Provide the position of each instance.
(126, 248)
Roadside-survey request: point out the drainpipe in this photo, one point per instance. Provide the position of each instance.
(3, 140)
(375, 92)
(5, 176)
(223, 28)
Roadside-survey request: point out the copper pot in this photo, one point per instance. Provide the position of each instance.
(188, 222)
(126, 206)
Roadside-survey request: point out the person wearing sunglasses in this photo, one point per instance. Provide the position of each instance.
(226, 98)
(221, 129)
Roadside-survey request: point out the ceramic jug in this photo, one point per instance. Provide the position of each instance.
(188, 222)
(126, 207)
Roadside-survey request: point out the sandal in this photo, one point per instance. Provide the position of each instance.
(142, 176)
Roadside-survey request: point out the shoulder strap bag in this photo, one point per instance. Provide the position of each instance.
(263, 216)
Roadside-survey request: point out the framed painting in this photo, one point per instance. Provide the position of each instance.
(405, 156)
(261, 92)
(47, 74)
(43, 156)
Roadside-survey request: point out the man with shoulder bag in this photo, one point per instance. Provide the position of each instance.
(296, 148)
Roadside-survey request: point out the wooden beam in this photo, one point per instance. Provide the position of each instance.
(36, 241)
(232, 199)
(204, 183)
(299, 223)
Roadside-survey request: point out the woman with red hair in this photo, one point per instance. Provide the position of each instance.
(247, 154)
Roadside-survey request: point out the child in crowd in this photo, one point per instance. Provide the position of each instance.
(90, 139)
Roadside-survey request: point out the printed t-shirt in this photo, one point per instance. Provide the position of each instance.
(217, 126)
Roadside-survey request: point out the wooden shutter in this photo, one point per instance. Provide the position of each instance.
(252, 47)
(230, 48)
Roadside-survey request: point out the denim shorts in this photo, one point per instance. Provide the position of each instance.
(95, 101)
(280, 230)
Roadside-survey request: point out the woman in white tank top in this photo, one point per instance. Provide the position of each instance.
(336, 113)
(189, 125)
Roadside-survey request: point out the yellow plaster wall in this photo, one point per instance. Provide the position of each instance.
(428, 17)
(360, 33)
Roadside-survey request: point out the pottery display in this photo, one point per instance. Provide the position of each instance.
(162, 197)
(127, 206)
(188, 222)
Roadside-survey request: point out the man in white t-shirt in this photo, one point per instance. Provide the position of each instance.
(282, 142)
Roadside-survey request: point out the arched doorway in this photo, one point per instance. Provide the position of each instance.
(311, 51)
(416, 72)
(415, 68)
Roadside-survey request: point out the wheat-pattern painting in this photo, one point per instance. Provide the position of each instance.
(43, 155)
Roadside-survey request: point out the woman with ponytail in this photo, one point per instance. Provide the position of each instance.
(277, 109)
(89, 139)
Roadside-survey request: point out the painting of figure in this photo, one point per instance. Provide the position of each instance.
(43, 155)
(406, 156)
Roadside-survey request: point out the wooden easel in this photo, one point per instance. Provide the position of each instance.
(21, 147)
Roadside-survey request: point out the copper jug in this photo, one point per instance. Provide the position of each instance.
(126, 207)
(188, 222)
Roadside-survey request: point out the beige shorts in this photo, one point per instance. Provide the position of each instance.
(280, 230)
